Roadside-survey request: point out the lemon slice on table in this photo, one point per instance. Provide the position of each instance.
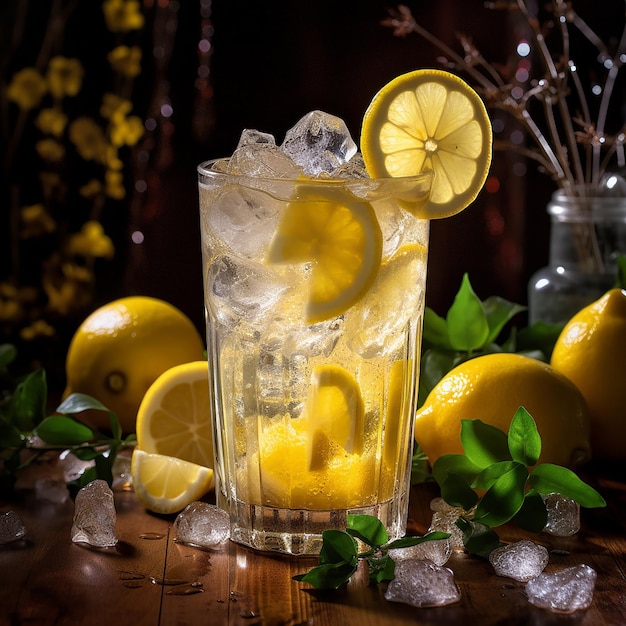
(335, 412)
(341, 238)
(174, 417)
(430, 120)
(165, 484)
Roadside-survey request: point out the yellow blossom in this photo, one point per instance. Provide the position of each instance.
(88, 138)
(126, 132)
(66, 287)
(114, 107)
(36, 221)
(27, 88)
(10, 306)
(50, 150)
(122, 15)
(112, 159)
(125, 61)
(91, 241)
(91, 189)
(114, 185)
(39, 328)
(65, 76)
(51, 122)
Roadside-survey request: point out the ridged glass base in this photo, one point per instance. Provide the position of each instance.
(299, 532)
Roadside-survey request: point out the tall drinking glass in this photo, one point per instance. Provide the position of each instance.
(314, 297)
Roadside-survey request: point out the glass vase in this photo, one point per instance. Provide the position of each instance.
(587, 235)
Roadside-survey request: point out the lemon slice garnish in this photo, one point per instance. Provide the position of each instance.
(430, 120)
(174, 417)
(164, 484)
(335, 413)
(341, 238)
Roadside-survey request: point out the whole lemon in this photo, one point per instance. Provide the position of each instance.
(121, 349)
(591, 352)
(491, 388)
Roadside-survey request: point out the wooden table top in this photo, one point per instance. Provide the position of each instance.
(150, 579)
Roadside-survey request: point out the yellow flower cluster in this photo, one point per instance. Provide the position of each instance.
(82, 154)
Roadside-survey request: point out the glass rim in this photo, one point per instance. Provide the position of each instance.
(203, 169)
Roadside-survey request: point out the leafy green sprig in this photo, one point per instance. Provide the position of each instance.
(339, 557)
(27, 432)
(498, 480)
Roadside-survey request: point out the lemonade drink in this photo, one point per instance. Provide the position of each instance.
(314, 277)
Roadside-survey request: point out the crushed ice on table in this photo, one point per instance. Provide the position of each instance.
(421, 583)
(11, 527)
(565, 591)
(319, 143)
(73, 467)
(437, 551)
(94, 515)
(563, 515)
(52, 490)
(444, 519)
(521, 560)
(202, 525)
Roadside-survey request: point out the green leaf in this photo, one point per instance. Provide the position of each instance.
(524, 441)
(533, 515)
(454, 464)
(435, 330)
(468, 328)
(492, 473)
(28, 404)
(499, 312)
(382, 569)
(538, 337)
(548, 478)
(503, 499)
(328, 576)
(456, 491)
(79, 402)
(367, 528)
(9, 435)
(337, 547)
(8, 353)
(478, 538)
(407, 542)
(60, 430)
(434, 365)
(420, 468)
(620, 278)
(483, 443)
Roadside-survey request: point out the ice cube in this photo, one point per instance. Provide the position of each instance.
(421, 583)
(521, 560)
(263, 160)
(244, 219)
(11, 527)
(319, 143)
(444, 519)
(202, 525)
(240, 289)
(564, 591)
(52, 490)
(94, 515)
(73, 467)
(354, 168)
(436, 551)
(563, 515)
(251, 136)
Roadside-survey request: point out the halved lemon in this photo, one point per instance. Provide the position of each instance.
(165, 484)
(335, 413)
(430, 120)
(340, 236)
(174, 417)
